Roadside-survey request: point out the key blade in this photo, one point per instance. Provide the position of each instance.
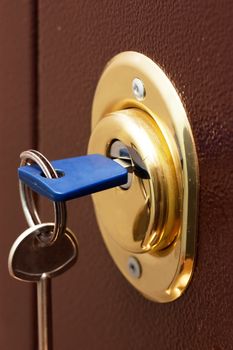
(81, 176)
(44, 313)
(29, 259)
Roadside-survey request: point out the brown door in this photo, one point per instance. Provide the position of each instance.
(63, 48)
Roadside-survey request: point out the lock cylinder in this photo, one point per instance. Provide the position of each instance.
(144, 214)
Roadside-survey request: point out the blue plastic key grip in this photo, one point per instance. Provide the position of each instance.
(81, 176)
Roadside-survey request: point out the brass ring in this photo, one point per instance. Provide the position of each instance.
(28, 202)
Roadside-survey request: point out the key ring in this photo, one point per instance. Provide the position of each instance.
(27, 199)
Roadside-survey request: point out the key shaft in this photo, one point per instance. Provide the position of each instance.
(44, 313)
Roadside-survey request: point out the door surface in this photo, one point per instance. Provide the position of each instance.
(18, 131)
(94, 307)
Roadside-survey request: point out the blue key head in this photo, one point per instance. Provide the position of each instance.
(79, 176)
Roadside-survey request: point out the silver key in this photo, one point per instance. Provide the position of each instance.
(31, 260)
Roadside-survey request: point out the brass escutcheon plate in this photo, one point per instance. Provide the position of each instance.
(138, 116)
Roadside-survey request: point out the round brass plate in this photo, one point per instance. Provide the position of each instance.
(153, 222)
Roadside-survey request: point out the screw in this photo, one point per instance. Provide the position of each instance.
(138, 89)
(134, 267)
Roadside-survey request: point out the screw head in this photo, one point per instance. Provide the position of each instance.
(134, 267)
(138, 89)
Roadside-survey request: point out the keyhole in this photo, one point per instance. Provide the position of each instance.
(120, 151)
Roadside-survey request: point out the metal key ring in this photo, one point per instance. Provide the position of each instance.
(27, 199)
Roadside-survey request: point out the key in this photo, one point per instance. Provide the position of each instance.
(32, 260)
(79, 176)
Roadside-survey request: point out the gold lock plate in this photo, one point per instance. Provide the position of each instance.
(149, 225)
